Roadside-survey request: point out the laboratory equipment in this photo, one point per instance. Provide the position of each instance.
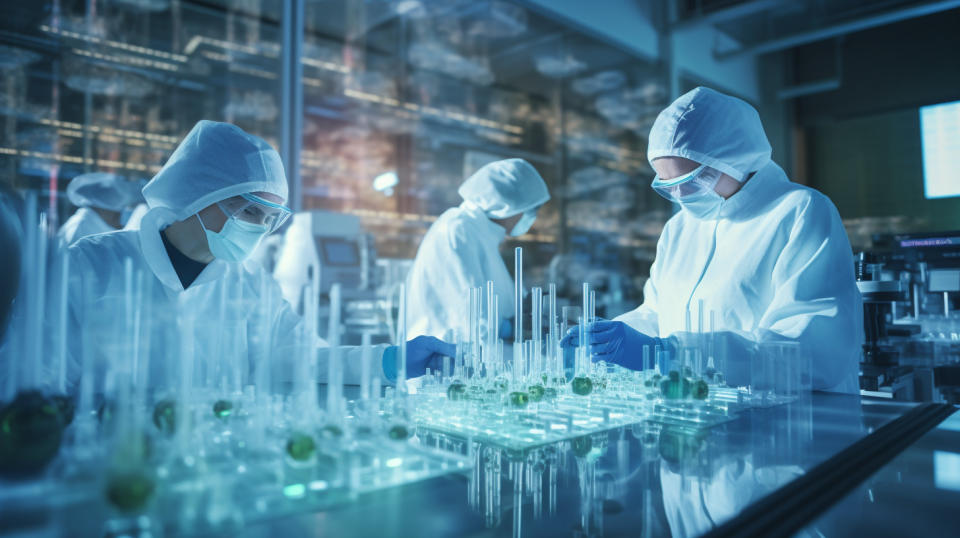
(910, 284)
(339, 251)
(332, 244)
(529, 402)
(201, 442)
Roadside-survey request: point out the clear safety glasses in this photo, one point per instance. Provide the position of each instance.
(701, 179)
(255, 210)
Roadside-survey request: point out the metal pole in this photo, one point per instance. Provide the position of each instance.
(291, 98)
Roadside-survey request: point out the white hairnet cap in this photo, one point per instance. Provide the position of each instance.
(714, 129)
(103, 190)
(505, 188)
(215, 161)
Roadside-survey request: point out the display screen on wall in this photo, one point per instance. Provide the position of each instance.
(940, 132)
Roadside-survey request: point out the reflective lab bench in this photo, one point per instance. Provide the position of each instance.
(650, 480)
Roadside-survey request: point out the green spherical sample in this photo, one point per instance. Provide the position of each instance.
(674, 375)
(679, 446)
(301, 446)
(165, 416)
(581, 385)
(398, 432)
(222, 409)
(581, 445)
(457, 391)
(536, 392)
(30, 434)
(129, 492)
(675, 389)
(519, 399)
(701, 390)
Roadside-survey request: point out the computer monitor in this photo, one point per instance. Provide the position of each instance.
(339, 252)
(940, 135)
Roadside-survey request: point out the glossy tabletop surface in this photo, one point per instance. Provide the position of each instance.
(636, 481)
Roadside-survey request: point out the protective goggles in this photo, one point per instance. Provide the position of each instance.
(701, 179)
(255, 210)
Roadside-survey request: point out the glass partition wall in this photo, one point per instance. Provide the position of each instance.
(400, 102)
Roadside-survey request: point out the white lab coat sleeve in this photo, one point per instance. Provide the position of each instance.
(816, 301)
(645, 317)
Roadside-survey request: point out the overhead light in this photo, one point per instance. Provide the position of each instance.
(385, 183)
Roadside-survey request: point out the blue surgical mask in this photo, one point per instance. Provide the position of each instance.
(695, 191)
(523, 225)
(703, 205)
(235, 241)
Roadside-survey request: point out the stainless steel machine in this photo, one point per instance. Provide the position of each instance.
(910, 285)
(335, 248)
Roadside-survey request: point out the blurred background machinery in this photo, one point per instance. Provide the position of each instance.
(910, 286)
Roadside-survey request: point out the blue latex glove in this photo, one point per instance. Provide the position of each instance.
(614, 342)
(422, 352)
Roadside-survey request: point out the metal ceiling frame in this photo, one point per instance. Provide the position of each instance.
(836, 30)
(731, 13)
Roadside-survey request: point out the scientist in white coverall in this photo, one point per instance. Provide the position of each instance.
(102, 200)
(461, 250)
(768, 256)
(217, 196)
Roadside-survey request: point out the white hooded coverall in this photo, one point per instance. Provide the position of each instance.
(461, 249)
(96, 189)
(775, 264)
(215, 161)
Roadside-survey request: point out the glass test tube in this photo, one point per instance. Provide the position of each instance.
(38, 295)
(491, 343)
(552, 347)
(476, 348)
(365, 366)
(402, 337)
(335, 406)
(61, 353)
(584, 321)
(593, 306)
(497, 350)
(472, 324)
(535, 360)
(518, 295)
(701, 351)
